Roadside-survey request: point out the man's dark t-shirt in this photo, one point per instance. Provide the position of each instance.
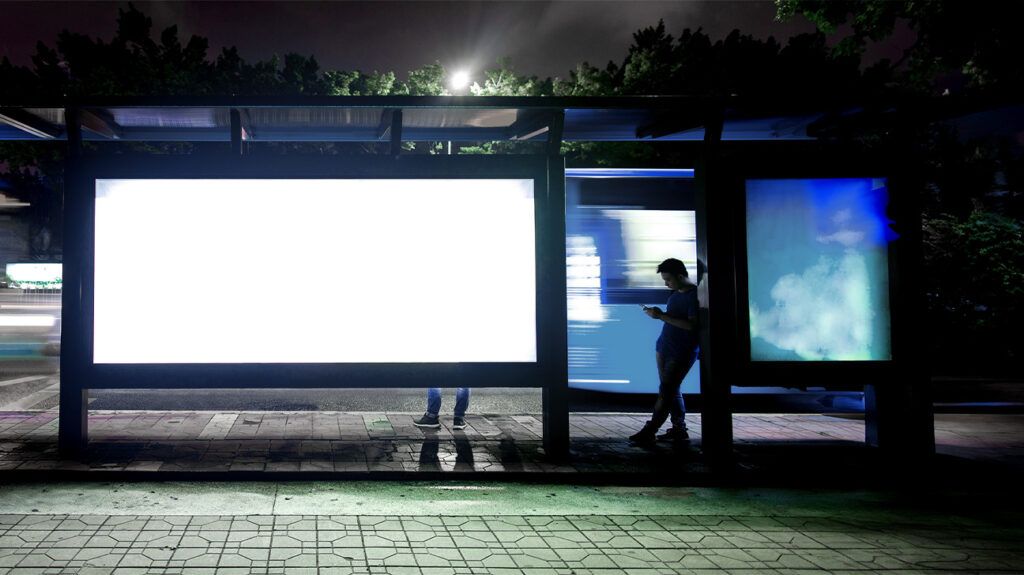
(674, 341)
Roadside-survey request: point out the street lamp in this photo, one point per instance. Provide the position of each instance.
(459, 80)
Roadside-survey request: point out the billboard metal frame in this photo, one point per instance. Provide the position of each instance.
(832, 374)
(898, 412)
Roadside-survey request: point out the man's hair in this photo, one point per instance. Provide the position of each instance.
(674, 267)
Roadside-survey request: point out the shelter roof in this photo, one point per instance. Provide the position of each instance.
(441, 118)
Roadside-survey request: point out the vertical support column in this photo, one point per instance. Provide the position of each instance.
(556, 388)
(236, 132)
(715, 239)
(899, 416)
(73, 423)
(555, 129)
(396, 134)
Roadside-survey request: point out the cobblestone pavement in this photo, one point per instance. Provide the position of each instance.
(336, 442)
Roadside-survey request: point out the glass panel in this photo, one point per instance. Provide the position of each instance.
(817, 268)
(618, 231)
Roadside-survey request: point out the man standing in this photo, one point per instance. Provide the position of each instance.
(430, 419)
(675, 352)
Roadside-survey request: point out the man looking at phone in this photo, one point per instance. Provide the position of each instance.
(675, 352)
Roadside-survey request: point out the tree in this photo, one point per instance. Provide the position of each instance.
(974, 283)
(505, 81)
(651, 65)
(586, 80)
(372, 84)
(955, 46)
(425, 81)
(739, 64)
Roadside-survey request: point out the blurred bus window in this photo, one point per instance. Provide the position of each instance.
(618, 230)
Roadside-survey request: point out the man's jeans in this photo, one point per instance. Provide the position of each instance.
(671, 371)
(434, 401)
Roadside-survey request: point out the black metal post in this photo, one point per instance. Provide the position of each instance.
(236, 132)
(396, 133)
(715, 240)
(899, 416)
(73, 424)
(556, 127)
(556, 389)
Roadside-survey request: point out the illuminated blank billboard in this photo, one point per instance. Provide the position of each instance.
(817, 269)
(314, 271)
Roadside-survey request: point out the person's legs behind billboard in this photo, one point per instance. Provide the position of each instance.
(430, 419)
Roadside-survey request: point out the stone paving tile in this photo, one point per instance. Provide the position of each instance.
(471, 545)
(338, 442)
(41, 544)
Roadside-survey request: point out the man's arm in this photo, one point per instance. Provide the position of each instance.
(687, 324)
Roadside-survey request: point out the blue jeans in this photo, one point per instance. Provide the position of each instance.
(671, 371)
(434, 401)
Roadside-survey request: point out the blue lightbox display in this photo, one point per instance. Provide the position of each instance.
(818, 269)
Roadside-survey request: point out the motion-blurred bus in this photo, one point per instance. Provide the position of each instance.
(620, 224)
(30, 320)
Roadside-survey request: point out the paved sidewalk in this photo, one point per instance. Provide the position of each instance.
(362, 528)
(370, 443)
(336, 442)
(578, 517)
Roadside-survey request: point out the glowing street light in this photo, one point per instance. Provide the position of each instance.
(459, 80)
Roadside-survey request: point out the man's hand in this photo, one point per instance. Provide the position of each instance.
(654, 312)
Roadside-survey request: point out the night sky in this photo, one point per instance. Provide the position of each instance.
(542, 38)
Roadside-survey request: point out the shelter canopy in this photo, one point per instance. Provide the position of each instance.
(421, 118)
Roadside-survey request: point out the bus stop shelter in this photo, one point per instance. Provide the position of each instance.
(729, 143)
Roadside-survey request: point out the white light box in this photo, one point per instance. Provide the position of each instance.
(314, 271)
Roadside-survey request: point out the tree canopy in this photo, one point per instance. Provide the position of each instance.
(954, 46)
(134, 62)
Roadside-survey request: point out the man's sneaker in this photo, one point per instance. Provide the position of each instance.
(427, 421)
(674, 434)
(643, 437)
(459, 423)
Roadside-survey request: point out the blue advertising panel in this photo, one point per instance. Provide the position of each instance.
(620, 224)
(818, 269)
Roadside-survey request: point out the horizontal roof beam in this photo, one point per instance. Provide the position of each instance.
(402, 102)
(668, 123)
(531, 123)
(100, 122)
(29, 123)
